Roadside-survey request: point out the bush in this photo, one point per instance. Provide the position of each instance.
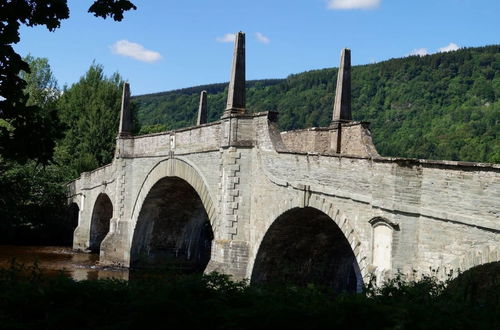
(31, 301)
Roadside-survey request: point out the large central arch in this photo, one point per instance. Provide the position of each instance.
(304, 245)
(173, 218)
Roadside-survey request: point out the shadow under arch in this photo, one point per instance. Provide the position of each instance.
(100, 221)
(304, 245)
(172, 230)
(73, 218)
(173, 218)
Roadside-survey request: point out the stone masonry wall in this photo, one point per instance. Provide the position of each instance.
(436, 206)
(355, 140)
(443, 215)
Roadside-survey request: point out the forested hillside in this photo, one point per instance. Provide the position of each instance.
(440, 106)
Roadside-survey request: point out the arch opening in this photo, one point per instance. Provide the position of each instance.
(101, 217)
(73, 217)
(304, 245)
(173, 230)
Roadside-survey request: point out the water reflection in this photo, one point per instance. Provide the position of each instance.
(54, 261)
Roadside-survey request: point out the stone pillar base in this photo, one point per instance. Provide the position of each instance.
(229, 257)
(81, 239)
(115, 247)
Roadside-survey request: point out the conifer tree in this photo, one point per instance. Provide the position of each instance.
(90, 109)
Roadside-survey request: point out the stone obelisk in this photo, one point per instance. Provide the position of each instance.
(125, 115)
(202, 109)
(342, 104)
(236, 93)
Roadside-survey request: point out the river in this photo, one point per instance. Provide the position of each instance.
(55, 260)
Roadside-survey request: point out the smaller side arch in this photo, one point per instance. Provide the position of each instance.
(100, 221)
(73, 218)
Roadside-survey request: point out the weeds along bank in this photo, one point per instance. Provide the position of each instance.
(213, 301)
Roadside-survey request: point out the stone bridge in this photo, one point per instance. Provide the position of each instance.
(313, 205)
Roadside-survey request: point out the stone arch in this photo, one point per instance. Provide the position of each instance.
(174, 167)
(318, 205)
(172, 219)
(73, 217)
(100, 221)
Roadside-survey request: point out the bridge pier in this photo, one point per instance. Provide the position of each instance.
(229, 257)
(115, 248)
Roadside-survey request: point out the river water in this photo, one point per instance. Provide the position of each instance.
(54, 260)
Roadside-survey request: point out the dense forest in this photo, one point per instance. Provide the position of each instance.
(440, 106)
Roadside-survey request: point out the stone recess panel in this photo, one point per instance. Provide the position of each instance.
(444, 215)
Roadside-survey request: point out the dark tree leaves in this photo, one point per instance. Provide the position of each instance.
(111, 8)
(90, 110)
(23, 134)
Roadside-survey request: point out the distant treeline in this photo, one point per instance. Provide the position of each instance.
(211, 88)
(440, 106)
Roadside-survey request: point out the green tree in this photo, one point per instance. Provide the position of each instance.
(32, 199)
(41, 85)
(21, 133)
(90, 110)
(32, 204)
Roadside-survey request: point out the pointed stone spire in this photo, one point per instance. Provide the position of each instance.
(236, 92)
(342, 105)
(125, 115)
(202, 109)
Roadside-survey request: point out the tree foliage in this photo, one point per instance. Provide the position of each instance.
(213, 301)
(32, 205)
(32, 199)
(41, 85)
(32, 131)
(90, 110)
(441, 106)
(21, 132)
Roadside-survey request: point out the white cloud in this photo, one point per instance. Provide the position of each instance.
(450, 48)
(424, 51)
(353, 4)
(135, 51)
(228, 37)
(262, 38)
(419, 52)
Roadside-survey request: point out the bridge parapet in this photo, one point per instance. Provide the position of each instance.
(355, 140)
(88, 180)
(200, 138)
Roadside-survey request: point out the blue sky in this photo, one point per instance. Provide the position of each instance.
(168, 44)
